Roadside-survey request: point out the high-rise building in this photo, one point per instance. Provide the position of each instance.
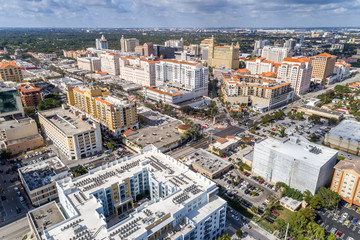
(290, 43)
(137, 70)
(10, 102)
(115, 115)
(261, 65)
(110, 63)
(157, 194)
(74, 135)
(30, 95)
(175, 43)
(296, 162)
(302, 40)
(102, 43)
(128, 44)
(145, 50)
(227, 56)
(89, 63)
(164, 52)
(346, 180)
(323, 66)
(259, 44)
(297, 71)
(10, 71)
(276, 54)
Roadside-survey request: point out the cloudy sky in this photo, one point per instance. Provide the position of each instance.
(179, 13)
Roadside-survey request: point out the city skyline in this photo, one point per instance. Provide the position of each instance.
(213, 13)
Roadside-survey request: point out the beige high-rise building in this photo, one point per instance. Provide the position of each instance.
(227, 56)
(115, 115)
(138, 70)
(89, 63)
(10, 71)
(128, 44)
(346, 181)
(323, 66)
(110, 63)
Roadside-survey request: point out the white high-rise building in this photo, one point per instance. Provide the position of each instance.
(137, 70)
(128, 44)
(89, 63)
(261, 65)
(297, 71)
(110, 63)
(276, 54)
(296, 162)
(190, 75)
(259, 44)
(290, 43)
(146, 196)
(102, 43)
(175, 43)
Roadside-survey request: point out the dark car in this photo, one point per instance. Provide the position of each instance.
(3, 197)
(269, 220)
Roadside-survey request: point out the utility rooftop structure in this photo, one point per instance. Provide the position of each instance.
(207, 163)
(182, 204)
(296, 162)
(345, 136)
(39, 179)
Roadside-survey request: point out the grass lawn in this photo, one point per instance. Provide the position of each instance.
(284, 214)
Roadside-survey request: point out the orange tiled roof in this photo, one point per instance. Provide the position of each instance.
(127, 132)
(78, 90)
(268, 74)
(163, 92)
(243, 70)
(181, 62)
(6, 64)
(297, 60)
(103, 101)
(222, 140)
(325, 55)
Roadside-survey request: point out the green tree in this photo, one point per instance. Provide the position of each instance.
(308, 213)
(5, 154)
(80, 170)
(239, 233)
(30, 111)
(48, 103)
(224, 237)
(332, 121)
(110, 146)
(282, 131)
(331, 237)
(314, 119)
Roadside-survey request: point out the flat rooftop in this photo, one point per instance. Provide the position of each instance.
(348, 130)
(206, 161)
(321, 110)
(185, 184)
(46, 216)
(42, 173)
(67, 121)
(14, 123)
(300, 148)
(229, 131)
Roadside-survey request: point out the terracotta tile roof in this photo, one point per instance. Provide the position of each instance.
(6, 64)
(163, 92)
(297, 60)
(127, 132)
(222, 140)
(78, 90)
(181, 62)
(103, 101)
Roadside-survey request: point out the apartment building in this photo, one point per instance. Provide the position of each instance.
(91, 64)
(145, 50)
(19, 135)
(128, 44)
(297, 71)
(276, 54)
(323, 66)
(258, 46)
(227, 56)
(175, 43)
(10, 71)
(30, 95)
(261, 65)
(114, 115)
(110, 63)
(257, 91)
(138, 70)
(345, 181)
(296, 162)
(74, 135)
(342, 70)
(39, 180)
(78, 54)
(180, 204)
(102, 43)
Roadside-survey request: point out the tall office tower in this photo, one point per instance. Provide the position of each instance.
(110, 63)
(175, 43)
(323, 66)
(290, 43)
(115, 115)
(276, 54)
(227, 56)
(302, 40)
(10, 71)
(259, 44)
(128, 44)
(297, 71)
(102, 43)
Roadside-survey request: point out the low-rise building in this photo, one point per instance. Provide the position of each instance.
(71, 132)
(290, 203)
(296, 162)
(19, 135)
(224, 145)
(207, 164)
(146, 196)
(345, 136)
(309, 110)
(39, 179)
(346, 179)
(30, 95)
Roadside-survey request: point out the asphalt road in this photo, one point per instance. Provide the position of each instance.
(15, 230)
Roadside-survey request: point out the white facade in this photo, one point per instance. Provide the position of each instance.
(110, 63)
(296, 162)
(187, 74)
(259, 44)
(128, 44)
(297, 71)
(276, 54)
(175, 43)
(180, 200)
(89, 63)
(342, 70)
(139, 71)
(102, 43)
(261, 65)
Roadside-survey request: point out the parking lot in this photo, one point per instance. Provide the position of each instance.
(343, 222)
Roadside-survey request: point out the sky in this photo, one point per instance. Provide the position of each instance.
(179, 13)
